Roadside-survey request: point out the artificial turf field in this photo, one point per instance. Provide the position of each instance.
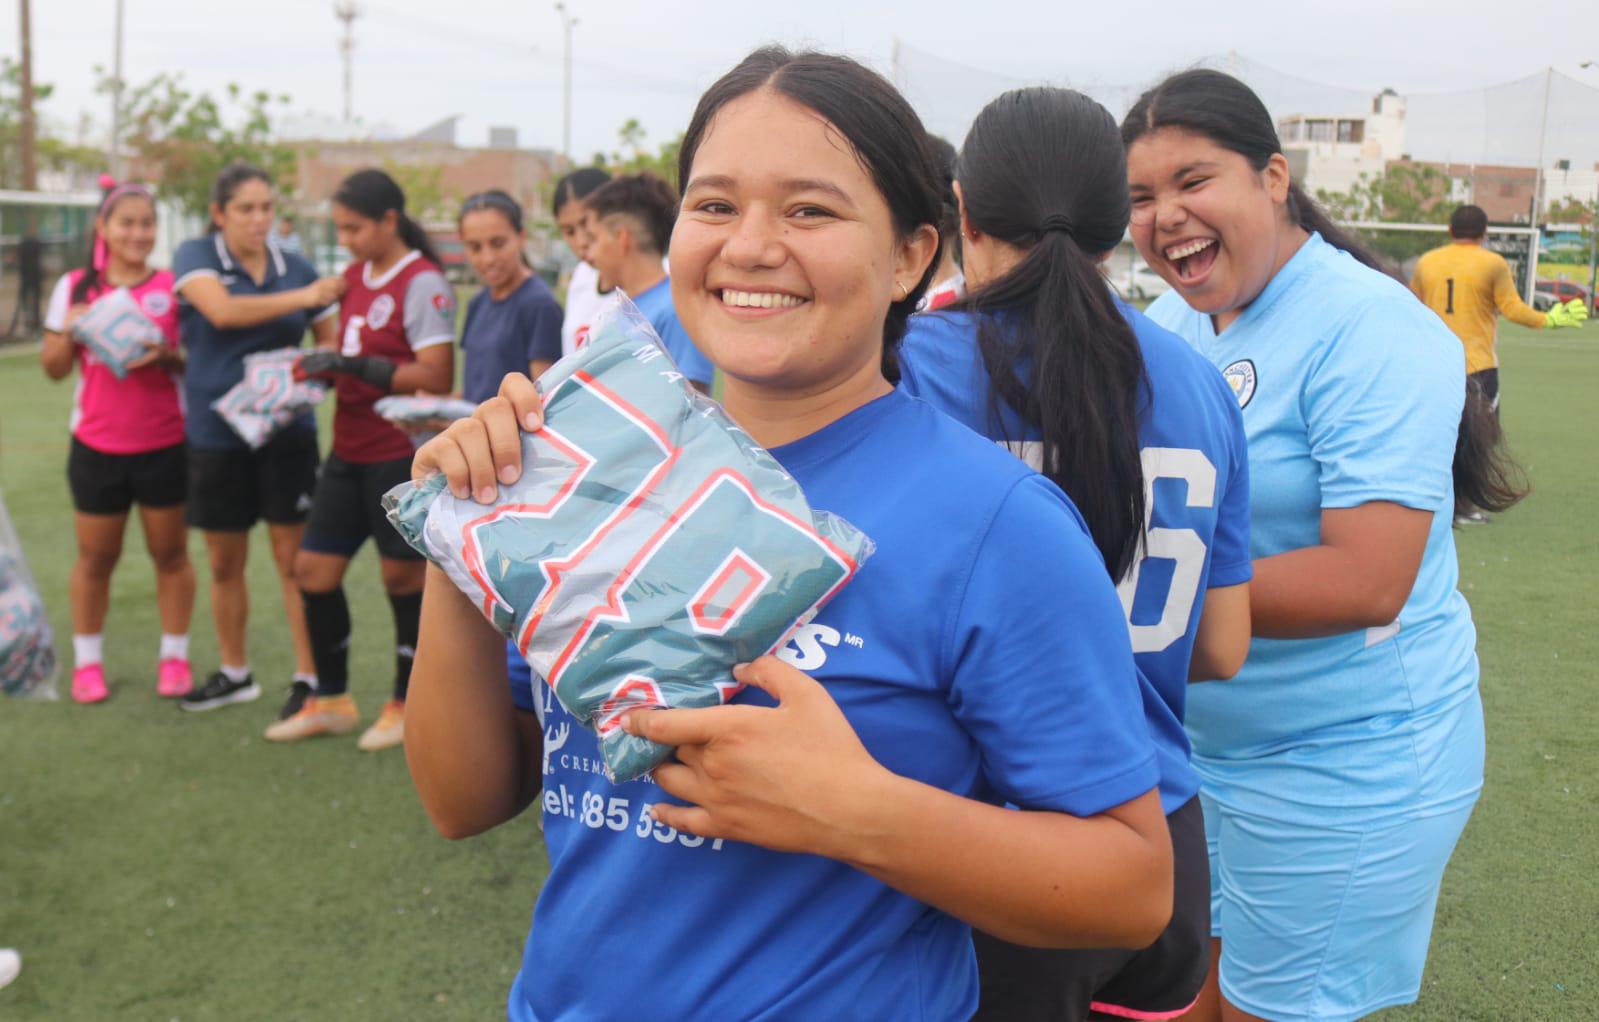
(161, 865)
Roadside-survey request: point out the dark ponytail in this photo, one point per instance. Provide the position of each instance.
(880, 126)
(373, 193)
(1225, 110)
(1486, 476)
(111, 196)
(1043, 169)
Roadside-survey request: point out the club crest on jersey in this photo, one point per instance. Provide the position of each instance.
(377, 317)
(1241, 377)
(156, 303)
(444, 303)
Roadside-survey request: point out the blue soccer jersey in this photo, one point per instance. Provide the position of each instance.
(1351, 392)
(980, 650)
(656, 304)
(1196, 480)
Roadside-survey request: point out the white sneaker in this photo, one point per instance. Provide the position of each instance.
(10, 965)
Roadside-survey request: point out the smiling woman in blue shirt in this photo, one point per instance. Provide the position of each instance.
(825, 842)
(1340, 765)
(240, 293)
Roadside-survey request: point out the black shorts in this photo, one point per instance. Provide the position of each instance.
(109, 484)
(347, 509)
(1486, 383)
(1021, 984)
(230, 489)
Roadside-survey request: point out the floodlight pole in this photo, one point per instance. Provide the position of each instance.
(347, 11)
(567, 24)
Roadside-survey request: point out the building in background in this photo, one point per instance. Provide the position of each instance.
(1330, 151)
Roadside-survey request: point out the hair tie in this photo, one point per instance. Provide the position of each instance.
(1056, 222)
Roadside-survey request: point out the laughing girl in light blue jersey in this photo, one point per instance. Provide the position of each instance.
(1340, 765)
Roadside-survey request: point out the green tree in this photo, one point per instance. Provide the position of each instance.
(182, 138)
(50, 153)
(1403, 194)
(634, 157)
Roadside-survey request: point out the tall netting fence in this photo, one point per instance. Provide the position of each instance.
(1548, 115)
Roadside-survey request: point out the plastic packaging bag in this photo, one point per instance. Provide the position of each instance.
(648, 547)
(27, 646)
(420, 408)
(268, 398)
(117, 332)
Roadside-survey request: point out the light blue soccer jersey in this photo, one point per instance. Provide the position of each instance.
(656, 304)
(1351, 392)
(1196, 475)
(981, 650)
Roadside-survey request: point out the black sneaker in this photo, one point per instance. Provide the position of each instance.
(299, 691)
(220, 690)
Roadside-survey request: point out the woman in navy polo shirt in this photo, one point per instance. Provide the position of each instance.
(513, 325)
(239, 294)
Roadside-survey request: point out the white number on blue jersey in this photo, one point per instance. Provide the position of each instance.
(1184, 546)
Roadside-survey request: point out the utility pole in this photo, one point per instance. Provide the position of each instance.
(347, 11)
(28, 127)
(116, 100)
(567, 24)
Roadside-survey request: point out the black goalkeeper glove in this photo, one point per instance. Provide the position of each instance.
(369, 369)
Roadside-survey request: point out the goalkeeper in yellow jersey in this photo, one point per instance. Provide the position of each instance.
(1468, 286)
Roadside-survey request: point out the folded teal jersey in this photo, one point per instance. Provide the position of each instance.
(648, 546)
(117, 331)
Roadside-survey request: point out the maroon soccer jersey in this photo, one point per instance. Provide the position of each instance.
(394, 316)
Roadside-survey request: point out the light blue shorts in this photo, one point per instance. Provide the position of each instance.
(1323, 924)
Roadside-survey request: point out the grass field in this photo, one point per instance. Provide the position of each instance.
(158, 865)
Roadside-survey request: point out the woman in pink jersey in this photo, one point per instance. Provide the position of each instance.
(398, 322)
(127, 443)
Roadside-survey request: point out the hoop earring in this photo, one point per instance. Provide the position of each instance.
(904, 292)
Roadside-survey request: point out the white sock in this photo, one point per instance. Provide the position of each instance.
(174, 647)
(236, 674)
(86, 650)
(309, 679)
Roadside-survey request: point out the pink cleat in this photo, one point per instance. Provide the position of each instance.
(88, 684)
(174, 678)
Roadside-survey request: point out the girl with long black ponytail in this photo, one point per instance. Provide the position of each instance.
(1353, 735)
(396, 337)
(1145, 438)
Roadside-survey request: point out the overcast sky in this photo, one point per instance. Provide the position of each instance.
(499, 61)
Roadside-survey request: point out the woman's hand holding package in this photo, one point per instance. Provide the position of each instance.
(477, 452)
(792, 777)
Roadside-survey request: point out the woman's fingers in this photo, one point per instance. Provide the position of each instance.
(688, 819)
(442, 455)
(472, 437)
(505, 438)
(523, 395)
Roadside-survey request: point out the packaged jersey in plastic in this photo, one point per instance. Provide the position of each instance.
(648, 546)
(268, 397)
(27, 646)
(117, 332)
